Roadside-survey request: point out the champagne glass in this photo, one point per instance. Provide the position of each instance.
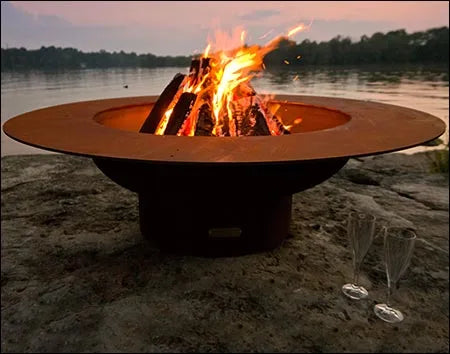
(398, 249)
(360, 230)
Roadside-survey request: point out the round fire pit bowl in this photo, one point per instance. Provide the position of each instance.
(219, 196)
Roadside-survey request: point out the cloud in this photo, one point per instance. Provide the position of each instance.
(259, 15)
(168, 35)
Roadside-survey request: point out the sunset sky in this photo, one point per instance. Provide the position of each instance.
(181, 28)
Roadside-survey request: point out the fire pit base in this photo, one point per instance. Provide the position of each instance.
(222, 195)
(217, 210)
(221, 226)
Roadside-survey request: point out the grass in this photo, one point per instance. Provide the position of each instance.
(439, 161)
(438, 158)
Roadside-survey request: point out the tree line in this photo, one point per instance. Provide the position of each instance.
(398, 46)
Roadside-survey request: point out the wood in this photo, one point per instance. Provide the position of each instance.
(180, 112)
(205, 69)
(260, 126)
(161, 105)
(199, 68)
(194, 71)
(280, 125)
(205, 63)
(241, 114)
(205, 121)
(225, 125)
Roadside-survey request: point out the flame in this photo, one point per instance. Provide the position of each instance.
(208, 47)
(231, 65)
(163, 123)
(234, 72)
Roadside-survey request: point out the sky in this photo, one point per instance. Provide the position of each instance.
(183, 27)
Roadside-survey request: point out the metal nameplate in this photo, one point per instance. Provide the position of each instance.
(225, 232)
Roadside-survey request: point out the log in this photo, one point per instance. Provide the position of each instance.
(280, 125)
(161, 105)
(194, 72)
(225, 124)
(205, 121)
(241, 110)
(199, 68)
(206, 63)
(260, 127)
(180, 112)
(273, 122)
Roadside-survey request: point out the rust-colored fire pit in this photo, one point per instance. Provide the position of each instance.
(222, 195)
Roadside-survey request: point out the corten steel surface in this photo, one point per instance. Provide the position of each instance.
(227, 195)
(372, 128)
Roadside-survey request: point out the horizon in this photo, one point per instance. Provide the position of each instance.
(188, 55)
(157, 27)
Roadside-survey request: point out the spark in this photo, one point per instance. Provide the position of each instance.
(266, 34)
(243, 36)
(296, 29)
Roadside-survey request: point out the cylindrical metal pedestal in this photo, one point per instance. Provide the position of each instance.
(215, 226)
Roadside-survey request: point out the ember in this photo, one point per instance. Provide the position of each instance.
(216, 97)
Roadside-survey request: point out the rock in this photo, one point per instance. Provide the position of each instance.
(367, 204)
(435, 197)
(78, 277)
(360, 176)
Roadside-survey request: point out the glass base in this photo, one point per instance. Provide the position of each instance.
(354, 292)
(387, 313)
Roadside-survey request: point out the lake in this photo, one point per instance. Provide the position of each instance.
(419, 87)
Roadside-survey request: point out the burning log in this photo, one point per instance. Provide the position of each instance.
(206, 63)
(243, 119)
(180, 113)
(260, 126)
(205, 121)
(160, 107)
(194, 71)
(280, 125)
(186, 108)
(274, 124)
(206, 69)
(199, 68)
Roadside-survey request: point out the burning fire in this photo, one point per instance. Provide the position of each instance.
(217, 97)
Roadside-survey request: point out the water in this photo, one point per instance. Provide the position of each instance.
(422, 88)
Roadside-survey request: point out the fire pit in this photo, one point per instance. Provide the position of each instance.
(222, 195)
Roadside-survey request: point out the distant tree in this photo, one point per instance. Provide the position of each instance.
(429, 46)
(393, 47)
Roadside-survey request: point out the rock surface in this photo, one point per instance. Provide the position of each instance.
(77, 276)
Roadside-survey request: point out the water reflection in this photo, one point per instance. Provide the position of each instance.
(364, 75)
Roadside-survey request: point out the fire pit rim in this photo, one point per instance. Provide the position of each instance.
(374, 128)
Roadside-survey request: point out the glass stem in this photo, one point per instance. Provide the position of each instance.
(390, 290)
(356, 273)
